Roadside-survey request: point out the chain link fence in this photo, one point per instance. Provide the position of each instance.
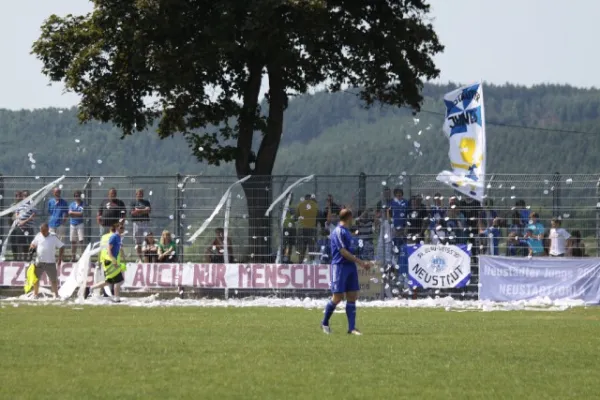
(181, 204)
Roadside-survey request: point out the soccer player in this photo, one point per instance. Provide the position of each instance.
(344, 273)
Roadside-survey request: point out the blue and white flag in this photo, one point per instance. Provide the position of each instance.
(464, 125)
(439, 266)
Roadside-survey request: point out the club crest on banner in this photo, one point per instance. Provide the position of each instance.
(440, 267)
(464, 125)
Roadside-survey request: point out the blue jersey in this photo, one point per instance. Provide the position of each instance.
(437, 214)
(57, 211)
(399, 213)
(115, 242)
(340, 238)
(76, 208)
(493, 235)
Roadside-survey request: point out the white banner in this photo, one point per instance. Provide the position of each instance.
(233, 276)
(464, 125)
(439, 266)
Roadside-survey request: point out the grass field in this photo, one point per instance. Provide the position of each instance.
(76, 352)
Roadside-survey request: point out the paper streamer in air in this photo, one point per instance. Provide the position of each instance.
(217, 209)
(226, 229)
(286, 191)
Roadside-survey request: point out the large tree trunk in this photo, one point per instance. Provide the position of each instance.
(258, 189)
(259, 196)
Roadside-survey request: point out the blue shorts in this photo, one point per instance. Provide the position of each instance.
(344, 278)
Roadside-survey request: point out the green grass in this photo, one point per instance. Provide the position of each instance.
(49, 352)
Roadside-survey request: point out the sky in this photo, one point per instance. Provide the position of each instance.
(523, 42)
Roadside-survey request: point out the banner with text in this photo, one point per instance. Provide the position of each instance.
(217, 276)
(439, 266)
(510, 279)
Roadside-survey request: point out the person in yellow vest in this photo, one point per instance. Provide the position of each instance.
(111, 259)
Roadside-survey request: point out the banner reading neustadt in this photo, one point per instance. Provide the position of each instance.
(439, 266)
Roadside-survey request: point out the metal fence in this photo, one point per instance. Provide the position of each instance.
(180, 204)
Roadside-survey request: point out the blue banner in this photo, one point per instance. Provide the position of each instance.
(439, 266)
(513, 279)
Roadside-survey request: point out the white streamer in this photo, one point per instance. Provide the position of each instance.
(226, 229)
(286, 206)
(217, 209)
(286, 191)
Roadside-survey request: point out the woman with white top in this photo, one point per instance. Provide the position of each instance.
(558, 239)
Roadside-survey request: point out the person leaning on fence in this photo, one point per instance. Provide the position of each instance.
(45, 244)
(150, 248)
(112, 260)
(58, 210)
(111, 211)
(215, 253)
(576, 247)
(140, 215)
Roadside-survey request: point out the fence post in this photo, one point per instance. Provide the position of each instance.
(556, 196)
(362, 192)
(177, 217)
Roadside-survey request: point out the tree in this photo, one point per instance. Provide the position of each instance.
(196, 68)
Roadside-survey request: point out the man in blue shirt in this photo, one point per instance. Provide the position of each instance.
(399, 210)
(437, 213)
(76, 234)
(343, 273)
(58, 210)
(493, 235)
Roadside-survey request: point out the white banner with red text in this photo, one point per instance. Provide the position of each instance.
(233, 276)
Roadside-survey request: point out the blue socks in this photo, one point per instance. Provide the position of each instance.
(351, 314)
(329, 309)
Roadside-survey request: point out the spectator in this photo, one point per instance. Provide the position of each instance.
(76, 234)
(140, 215)
(150, 249)
(324, 246)
(58, 210)
(516, 247)
(493, 235)
(437, 214)
(383, 205)
(365, 227)
(516, 225)
(576, 245)
(536, 227)
(307, 212)
(110, 212)
(289, 236)
(536, 247)
(471, 209)
(488, 214)
(46, 245)
(25, 226)
(558, 239)
(14, 245)
(332, 205)
(216, 252)
(331, 219)
(398, 214)
(524, 213)
(418, 217)
(454, 224)
(167, 248)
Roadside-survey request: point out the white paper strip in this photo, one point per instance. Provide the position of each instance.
(285, 192)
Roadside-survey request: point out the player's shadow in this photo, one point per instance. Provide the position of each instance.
(398, 333)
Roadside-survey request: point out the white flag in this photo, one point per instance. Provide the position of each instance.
(464, 126)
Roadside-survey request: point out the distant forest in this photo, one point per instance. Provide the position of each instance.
(329, 134)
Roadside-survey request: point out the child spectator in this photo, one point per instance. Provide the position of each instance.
(576, 245)
(167, 248)
(536, 247)
(76, 233)
(516, 225)
(558, 239)
(150, 248)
